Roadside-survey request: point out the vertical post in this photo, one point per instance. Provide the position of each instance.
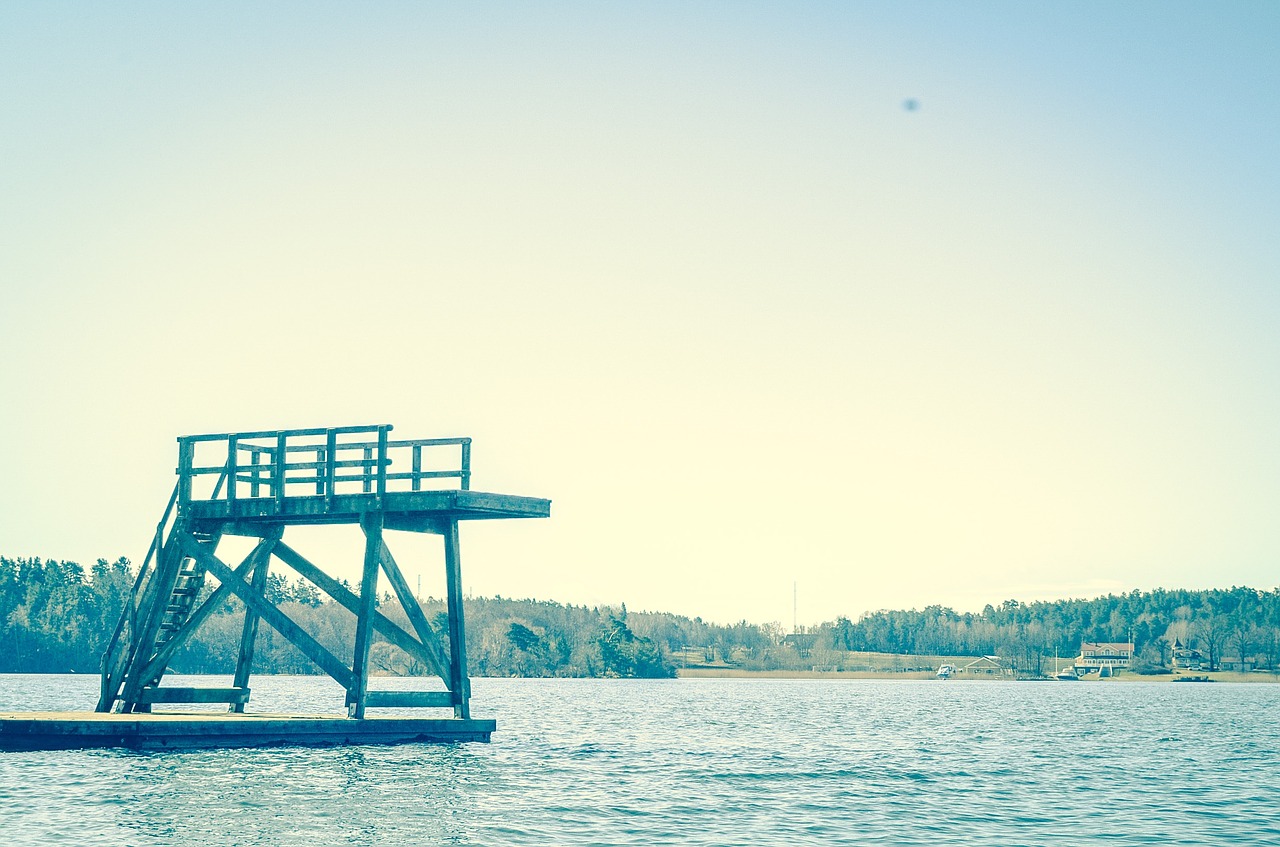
(459, 684)
(255, 459)
(321, 464)
(280, 465)
(371, 523)
(233, 449)
(365, 468)
(417, 467)
(186, 457)
(466, 464)
(331, 464)
(249, 634)
(382, 464)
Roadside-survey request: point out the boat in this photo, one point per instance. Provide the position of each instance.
(946, 671)
(1067, 674)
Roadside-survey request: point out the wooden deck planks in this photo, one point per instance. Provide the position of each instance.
(347, 508)
(168, 730)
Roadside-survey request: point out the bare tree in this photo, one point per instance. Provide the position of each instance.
(1269, 646)
(1212, 634)
(1241, 639)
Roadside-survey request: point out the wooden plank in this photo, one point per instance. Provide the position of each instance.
(255, 463)
(186, 457)
(191, 730)
(408, 699)
(466, 464)
(382, 463)
(347, 508)
(238, 695)
(426, 634)
(331, 464)
(233, 476)
(414, 523)
(291, 433)
(386, 627)
(371, 523)
(459, 684)
(278, 620)
(279, 467)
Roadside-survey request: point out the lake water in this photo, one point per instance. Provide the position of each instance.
(694, 762)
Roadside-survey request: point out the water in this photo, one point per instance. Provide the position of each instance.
(695, 762)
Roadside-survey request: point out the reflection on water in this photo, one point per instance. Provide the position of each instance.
(697, 762)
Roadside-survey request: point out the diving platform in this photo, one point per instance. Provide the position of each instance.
(258, 485)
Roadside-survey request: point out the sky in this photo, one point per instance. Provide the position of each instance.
(793, 310)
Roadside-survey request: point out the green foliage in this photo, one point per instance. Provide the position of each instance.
(624, 654)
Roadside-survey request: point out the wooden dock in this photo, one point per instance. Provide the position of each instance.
(188, 730)
(259, 484)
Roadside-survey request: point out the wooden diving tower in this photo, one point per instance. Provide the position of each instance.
(258, 484)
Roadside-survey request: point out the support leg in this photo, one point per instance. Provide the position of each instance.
(460, 685)
(371, 523)
(249, 635)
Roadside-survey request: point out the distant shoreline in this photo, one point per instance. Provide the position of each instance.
(739, 673)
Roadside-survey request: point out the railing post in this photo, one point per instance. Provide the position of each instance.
(382, 462)
(417, 467)
(365, 468)
(280, 466)
(233, 450)
(330, 463)
(186, 458)
(321, 463)
(255, 461)
(466, 464)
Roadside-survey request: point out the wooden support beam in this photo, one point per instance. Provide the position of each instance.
(177, 694)
(276, 619)
(249, 633)
(386, 627)
(408, 699)
(371, 523)
(414, 612)
(415, 523)
(279, 471)
(157, 663)
(459, 684)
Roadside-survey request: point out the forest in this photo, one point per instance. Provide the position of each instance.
(56, 616)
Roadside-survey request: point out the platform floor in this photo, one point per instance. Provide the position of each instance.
(186, 730)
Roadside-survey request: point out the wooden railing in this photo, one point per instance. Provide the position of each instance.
(316, 462)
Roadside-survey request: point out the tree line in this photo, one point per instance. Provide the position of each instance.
(57, 617)
(1239, 624)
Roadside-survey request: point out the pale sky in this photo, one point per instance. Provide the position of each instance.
(695, 272)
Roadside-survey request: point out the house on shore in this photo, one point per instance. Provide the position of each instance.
(1185, 658)
(1095, 655)
(987, 666)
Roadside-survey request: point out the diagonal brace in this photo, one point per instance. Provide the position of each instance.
(413, 610)
(276, 619)
(160, 660)
(388, 628)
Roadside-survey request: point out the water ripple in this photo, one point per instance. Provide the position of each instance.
(696, 762)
